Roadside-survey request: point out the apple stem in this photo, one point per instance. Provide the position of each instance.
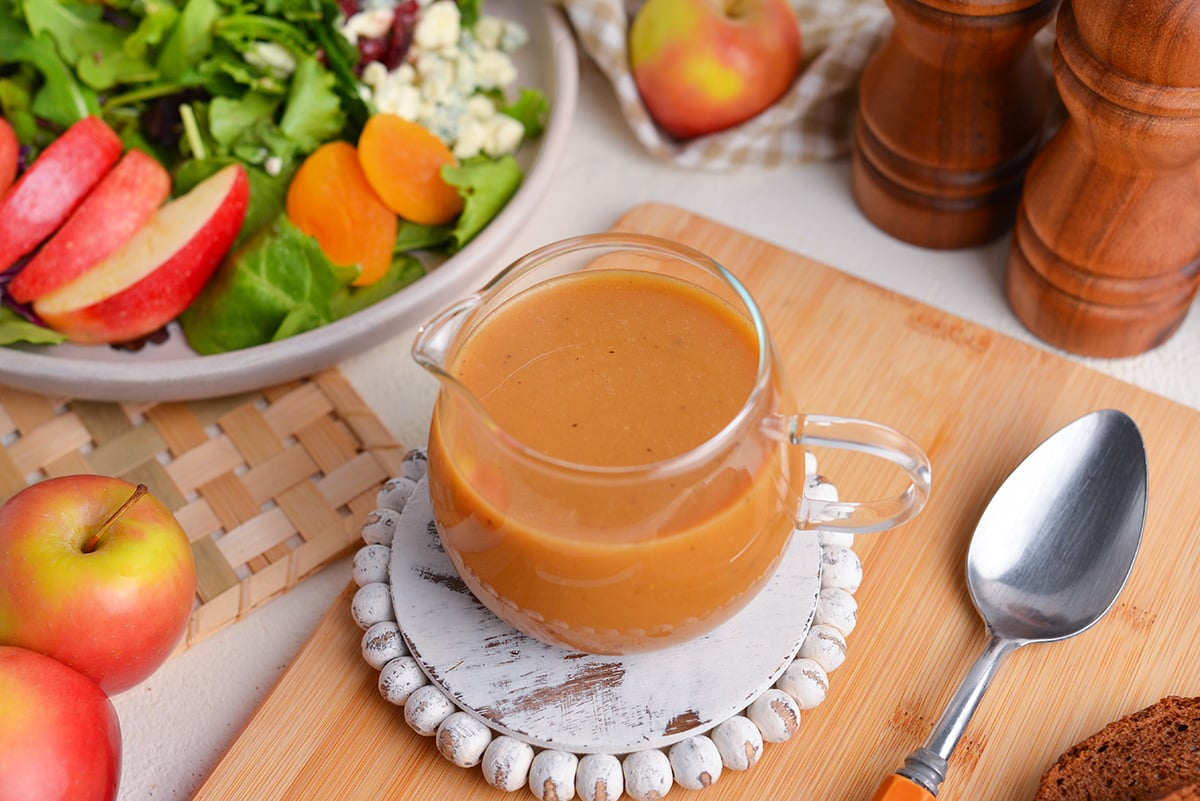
(98, 538)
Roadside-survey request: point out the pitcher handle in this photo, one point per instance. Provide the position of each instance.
(870, 438)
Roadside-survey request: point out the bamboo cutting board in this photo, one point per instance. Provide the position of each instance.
(978, 402)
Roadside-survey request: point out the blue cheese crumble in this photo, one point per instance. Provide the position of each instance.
(451, 76)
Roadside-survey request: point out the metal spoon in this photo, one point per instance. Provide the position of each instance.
(1048, 559)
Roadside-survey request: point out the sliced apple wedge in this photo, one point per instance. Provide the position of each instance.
(158, 272)
(106, 219)
(57, 181)
(10, 155)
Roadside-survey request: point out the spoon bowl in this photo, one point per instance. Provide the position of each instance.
(1048, 559)
(1054, 547)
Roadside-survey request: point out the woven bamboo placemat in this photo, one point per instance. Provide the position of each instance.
(270, 486)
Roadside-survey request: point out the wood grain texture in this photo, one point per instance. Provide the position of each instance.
(951, 109)
(586, 703)
(1105, 258)
(978, 402)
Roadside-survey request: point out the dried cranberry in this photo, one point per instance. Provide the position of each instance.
(401, 35)
(372, 50)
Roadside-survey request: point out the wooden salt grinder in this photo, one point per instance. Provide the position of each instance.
(1105, 258)
(951, 110)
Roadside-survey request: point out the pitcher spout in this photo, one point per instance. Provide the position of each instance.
(436, 339)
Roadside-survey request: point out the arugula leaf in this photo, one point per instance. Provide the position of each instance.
(313, 114)
(230, 117)
(95, 48)
(341, 58)
(72, 27)
(486, 185)
(160, 17)
(279, 284)
(190, 41)
(60, 99)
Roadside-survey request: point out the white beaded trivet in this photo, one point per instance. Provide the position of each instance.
(559, 722)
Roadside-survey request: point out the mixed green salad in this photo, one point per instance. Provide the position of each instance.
(200, 84)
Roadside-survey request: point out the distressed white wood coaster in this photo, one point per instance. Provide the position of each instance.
(531, 714)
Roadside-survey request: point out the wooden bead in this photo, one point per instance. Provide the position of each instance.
(462, 739)
(776, 714)
(506, 763)
(382, 643)
(739, 742)
(836, 607)
(552, 775)
(371, 564)
(380, 527)
(840, 567)
(398, 678)
(426, 708)
(824, 645)
(414, 464)
(832, 537)
(395, 492)
(805, 681)
(695, 762)
(599, 778)
(372, 603)
(648, 775)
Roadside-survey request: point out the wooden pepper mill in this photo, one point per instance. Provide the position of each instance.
(951, 110)
(1105, 258)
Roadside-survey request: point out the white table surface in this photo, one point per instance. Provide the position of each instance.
(177, 724)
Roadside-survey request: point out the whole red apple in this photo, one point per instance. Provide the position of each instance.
(702, 66)
(59, 735)
(96, 573)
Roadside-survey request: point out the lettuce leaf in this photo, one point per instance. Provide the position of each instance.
(486, 185)
(278, 285)
(15, 328)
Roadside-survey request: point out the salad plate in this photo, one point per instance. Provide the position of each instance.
(171, 371)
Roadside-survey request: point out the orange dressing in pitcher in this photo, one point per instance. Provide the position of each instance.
(611, 368)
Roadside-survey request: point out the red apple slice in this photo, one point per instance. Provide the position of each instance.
(155, 275)
(106, 219)
(56, 182)
(10, 152)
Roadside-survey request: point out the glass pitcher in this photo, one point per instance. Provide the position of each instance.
(615, 461)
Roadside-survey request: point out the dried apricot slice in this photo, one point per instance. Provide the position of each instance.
(330, 199)
(403, 162)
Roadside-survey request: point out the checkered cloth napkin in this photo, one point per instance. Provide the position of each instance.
(814, 120)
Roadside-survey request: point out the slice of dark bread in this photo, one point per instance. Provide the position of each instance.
(1189, 792)
(1141, 757)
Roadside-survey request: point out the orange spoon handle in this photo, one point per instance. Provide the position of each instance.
(900, 788)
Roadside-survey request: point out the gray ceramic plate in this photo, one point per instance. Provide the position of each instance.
(172, 371)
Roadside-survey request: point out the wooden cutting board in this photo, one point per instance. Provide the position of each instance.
(978, 402)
